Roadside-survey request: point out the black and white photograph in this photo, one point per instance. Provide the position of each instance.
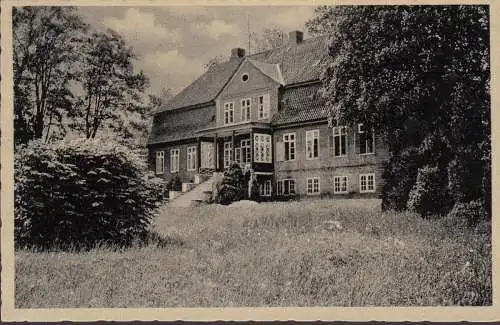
(247, 155)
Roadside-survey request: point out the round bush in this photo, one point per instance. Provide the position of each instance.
(429, 193)
(76, 194)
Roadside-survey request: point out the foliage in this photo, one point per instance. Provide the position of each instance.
(112, 90)
(468, 214)
(232, 186)
(81, 193)
(428, 195)
(426, 93)
(270, 38)
(46, 45)
(254, 189)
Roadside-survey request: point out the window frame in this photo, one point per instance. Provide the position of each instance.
(228, 149)
(175, 153)
(191, 157)
(160, 154)
(341, 146)
(367, 190)
(260, 143)
(288, 153)
(362, 131)
(342, 179)
(228, 112)
(266, 191)
(312, 179)
(246, 111)
(262, 108)
(247, 153)
(315, 136)
(286, 181)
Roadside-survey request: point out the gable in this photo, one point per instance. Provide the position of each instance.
(257, 80)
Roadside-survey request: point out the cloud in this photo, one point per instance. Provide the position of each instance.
(215, 29)
(291, 18)
(140, 29)
(169, 69)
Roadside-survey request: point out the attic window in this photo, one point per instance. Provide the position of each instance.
(244, 77)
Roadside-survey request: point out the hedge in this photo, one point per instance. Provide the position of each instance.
(80, 193)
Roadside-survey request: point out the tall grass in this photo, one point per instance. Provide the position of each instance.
(272, 254)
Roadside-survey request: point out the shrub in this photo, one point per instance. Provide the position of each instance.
(232, 186)
(467, 214)
(254, 189)
(428, 195)
(80, 193)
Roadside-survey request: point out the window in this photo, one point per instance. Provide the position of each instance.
(285, 187)
(263, 105)
(174, 160)
(228, 154)
(245, 109)
(265, 188)
(191, 158)
(160, 162)
(366, 141)
(244, 77)
(313, 186)
(340, 141)
(228, 113)
(262, 148)
(340, 185)
(367, 183)
(312, 144)
(246, 157)
(289, 141)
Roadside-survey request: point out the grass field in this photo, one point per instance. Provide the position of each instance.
(270, 254)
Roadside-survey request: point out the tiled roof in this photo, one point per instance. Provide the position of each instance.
(181, 124)
(205, 88)
(300, 104)
(298, 63)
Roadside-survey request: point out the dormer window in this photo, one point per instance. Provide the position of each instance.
(244, 77)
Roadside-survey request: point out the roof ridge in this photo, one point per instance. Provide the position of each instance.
(287, 44)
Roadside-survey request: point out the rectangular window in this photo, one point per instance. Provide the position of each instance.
(367, 183)
(245, 109)
(228, 113)
(285, 187)
(312, 144)
(289, 141)
(313, 186)
(246, 157)
(340, 184)
(340, 141)
(191, 158)
(265, 188)
(228, 154)
(263, 106)
(174, 160)
(366, 140)
(262, 148)
(160, 162)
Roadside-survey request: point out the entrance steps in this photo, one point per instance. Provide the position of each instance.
(197, 195)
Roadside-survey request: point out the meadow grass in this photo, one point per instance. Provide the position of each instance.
(269, 254)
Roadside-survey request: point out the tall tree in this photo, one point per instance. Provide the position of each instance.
(46, 44)
(112, 90)
(426, 91)
(270, 38)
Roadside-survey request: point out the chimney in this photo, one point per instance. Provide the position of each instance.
(295, 37)
(237, 53)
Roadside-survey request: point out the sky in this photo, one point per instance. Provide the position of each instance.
(173, 42)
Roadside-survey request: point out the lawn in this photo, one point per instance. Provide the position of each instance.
(270, 254)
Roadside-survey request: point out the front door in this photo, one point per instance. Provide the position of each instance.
(207, 155)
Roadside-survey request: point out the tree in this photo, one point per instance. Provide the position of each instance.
(214, 62)
(270, 38)
(46, 43)
(112, 91)
(427, 92)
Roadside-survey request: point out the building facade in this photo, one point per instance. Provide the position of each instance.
(264, 112)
